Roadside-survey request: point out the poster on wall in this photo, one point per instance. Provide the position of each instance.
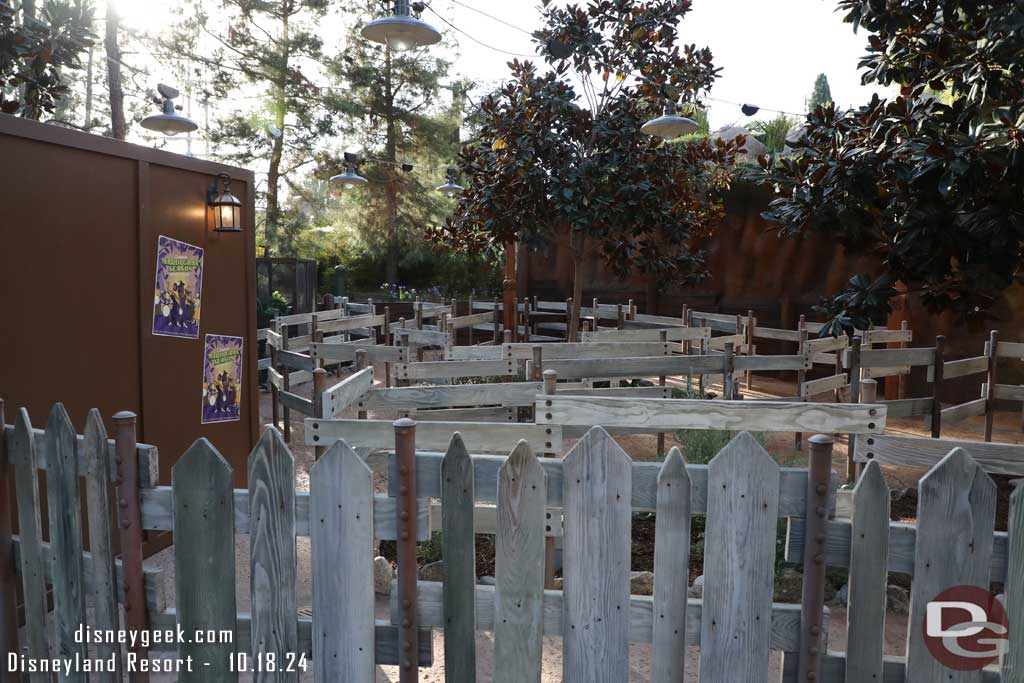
(222, 379)
(179, 288)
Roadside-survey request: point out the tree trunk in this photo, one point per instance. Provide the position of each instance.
(578, 241)
(118, 129)
(277, 152)
(391, 153)
(30, 94)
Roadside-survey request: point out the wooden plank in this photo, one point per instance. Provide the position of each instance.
(916, 451)
(346, 392)
(103, 586)
(1013, 663)
(480, 437)
(619, 349)
(458, 548)
(718, 343)
(341, 508)
(595, 564)
(633, 367)
(769, 363)
(776, 334)
(485, 519)
(295, 402)
(346, 352)
(884, 336)
(887, 358)
(878, 373)
(670, 414)
(961, 368)
(272, 554)
(894, 670)
(204, 558)
(490, 414)
(519, 569)
(635, 392)
(792, 496)
(671, 571)
(868, 578)
(1009, 392)
(672, 334)
(827, 344)
(157, 507)
(65, 514)
(511, 394)
(425, 337)
(295, 361)
(739, 564)
(450, 369)
(149, 463)
(22, 447)
(785, 618)
(961, 412)
(469, 320)
(353, 323)
(825, 384)
(909, 407)
(955, 517)
(1010, 350)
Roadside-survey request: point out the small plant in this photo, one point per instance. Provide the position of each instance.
(857, 307)
(700, 446)
(276, 306)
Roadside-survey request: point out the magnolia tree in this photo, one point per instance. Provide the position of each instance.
(931, 182)
(561, 155)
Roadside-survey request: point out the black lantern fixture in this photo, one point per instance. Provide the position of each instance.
(227, 210)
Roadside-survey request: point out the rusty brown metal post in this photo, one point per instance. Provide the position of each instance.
(319, 387)
(550, 386)
(812, 603)
(387, 326)
(8, 579)
(622, 318)
(801, 375)
(728, 368)
(408, 634)
(851, 440)
(938, 377)
(129, 519)
(990, 387)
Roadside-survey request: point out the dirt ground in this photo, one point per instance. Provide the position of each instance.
(641, 447)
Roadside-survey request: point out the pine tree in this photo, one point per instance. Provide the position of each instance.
(260, 47)
(397, 113)
(821, 94)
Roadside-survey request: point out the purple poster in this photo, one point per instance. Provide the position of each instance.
(179, 287)
(222, 379)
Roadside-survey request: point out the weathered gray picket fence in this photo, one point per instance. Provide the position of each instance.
(588, 497)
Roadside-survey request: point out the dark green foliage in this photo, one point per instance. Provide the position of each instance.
(934, 189)
(857, 307)
(35, 53)
(547, 167)
(821, 95)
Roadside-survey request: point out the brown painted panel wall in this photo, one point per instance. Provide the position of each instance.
(78, 231)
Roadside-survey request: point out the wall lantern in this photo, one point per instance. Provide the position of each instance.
(227, 210)
(349, 180)
(402, 31)
(169, 122)
(451, 187)
(670, 125)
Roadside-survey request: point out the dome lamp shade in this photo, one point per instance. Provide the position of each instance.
(168, 121)
(350, 179)
(401, 31)
(670, 125)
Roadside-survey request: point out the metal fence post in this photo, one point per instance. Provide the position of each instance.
(812, 603)
(408, 635)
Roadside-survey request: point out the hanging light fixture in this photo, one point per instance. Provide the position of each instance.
(451, 187)
(350, 179)
(227, 209)
(402, 31)
(670, 125)
(169, 121)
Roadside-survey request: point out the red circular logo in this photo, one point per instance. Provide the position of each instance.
(965, 628)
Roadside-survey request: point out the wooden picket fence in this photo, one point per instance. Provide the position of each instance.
(588, 497)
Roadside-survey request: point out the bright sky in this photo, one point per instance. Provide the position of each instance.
(770, 52)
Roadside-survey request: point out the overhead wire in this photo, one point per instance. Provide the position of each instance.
(477, 40)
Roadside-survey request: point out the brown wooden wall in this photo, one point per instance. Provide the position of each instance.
(79, 222)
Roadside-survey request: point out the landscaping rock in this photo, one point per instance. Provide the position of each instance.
(641, 583)
(432, 572)
(382, 574)
(753, 146)
(840, 597)
(897, 600)
(487, 581)
(697, 589)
